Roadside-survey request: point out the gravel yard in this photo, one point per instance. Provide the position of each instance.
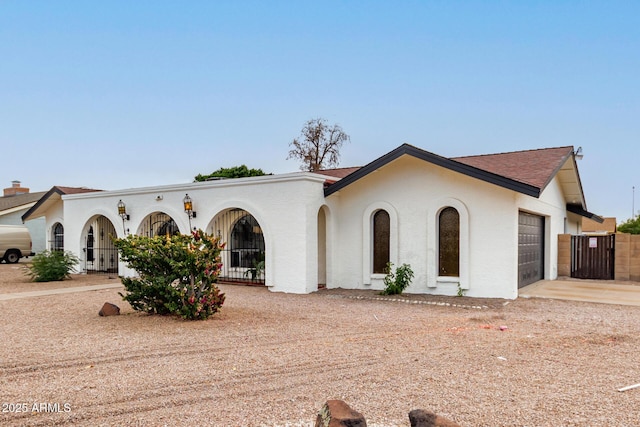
(271, 359)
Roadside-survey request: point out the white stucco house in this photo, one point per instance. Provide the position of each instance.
(484, 224)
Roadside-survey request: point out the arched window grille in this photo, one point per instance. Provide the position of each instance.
(58, 237)
(381, 241)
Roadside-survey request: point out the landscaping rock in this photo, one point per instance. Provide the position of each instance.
(109, 309)
(422, 418)
(336, 413)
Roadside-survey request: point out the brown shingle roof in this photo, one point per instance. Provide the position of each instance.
(338, 172)
(533, 167)
(75, 190)
(9, 202)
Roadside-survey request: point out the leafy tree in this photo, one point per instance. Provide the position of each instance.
(177, 274)
(318, 145)
(631, 226)
(241, 171)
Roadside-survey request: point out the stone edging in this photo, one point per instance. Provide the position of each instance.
(407, 301)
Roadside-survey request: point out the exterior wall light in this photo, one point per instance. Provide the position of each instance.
(122, 211)
(188, 208)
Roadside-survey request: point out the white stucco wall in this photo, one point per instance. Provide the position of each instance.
(414, 192)
(286, 207)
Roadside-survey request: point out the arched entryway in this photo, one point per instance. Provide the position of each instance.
(244, 256)
(99, 253)
(158, 224)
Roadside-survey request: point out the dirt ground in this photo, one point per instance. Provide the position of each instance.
(273, 359)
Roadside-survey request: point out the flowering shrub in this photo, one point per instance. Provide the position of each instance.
(177, 274)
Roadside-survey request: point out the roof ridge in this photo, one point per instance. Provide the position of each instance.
(512, 152)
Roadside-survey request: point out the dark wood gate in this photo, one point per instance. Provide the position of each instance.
(593, 257)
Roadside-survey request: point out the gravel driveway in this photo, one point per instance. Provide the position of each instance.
(272, 359)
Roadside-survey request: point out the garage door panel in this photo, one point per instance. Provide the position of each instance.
(530, 248)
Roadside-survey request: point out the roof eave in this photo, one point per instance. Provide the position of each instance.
(40, 202)
(578, 210)
(453, 165)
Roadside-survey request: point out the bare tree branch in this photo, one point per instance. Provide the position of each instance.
(318, 146)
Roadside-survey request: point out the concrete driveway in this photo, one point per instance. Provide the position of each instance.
(599, 291)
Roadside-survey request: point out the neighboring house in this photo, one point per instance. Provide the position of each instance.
(48, 210)
(15, 202)
(591, 227)
(485, 225)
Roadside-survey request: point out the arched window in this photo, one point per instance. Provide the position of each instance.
(58, 237)
(381, 240)
(449, 242)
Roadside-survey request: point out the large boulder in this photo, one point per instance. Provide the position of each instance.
(336, 413)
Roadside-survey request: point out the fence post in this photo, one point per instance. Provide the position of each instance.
(564, 255)
(622, 256)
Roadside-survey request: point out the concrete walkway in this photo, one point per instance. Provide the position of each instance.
(30, 294)
(599, 291)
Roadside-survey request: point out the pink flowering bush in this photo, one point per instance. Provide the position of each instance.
(177, 274)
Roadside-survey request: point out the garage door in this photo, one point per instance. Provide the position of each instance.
(530, 249)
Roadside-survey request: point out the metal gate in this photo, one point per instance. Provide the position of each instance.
(530, 248)
(158, 224)
(243, 257)
(593, 257)
(100, 255)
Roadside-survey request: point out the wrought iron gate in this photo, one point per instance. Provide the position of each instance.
(100, 255)
(593, 257)
(243, 258)
(158, 224)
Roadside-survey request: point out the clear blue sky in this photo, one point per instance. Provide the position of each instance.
(122, 94)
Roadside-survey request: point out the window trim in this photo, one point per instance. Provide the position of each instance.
(433, 278)
(368, 277)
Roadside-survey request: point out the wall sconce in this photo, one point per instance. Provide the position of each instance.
(122, 211)
(188, 208)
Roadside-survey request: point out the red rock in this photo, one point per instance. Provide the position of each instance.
(109, 309)
(422, 418)
(336, 413)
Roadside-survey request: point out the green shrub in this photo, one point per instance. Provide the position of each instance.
(177, 274)
(49, 266)
(396, 283)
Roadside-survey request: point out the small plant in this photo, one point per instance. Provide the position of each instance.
(461, 291)
(50, 266)
(396, 283)
(255, 271)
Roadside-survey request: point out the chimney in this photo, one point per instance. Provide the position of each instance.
(15, 189)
